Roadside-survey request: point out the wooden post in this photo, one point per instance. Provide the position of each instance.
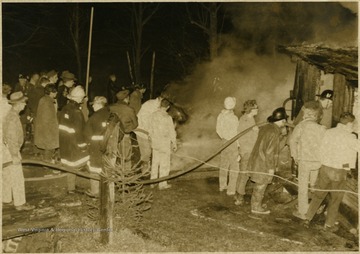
(152, 76)
(89, 51)
(107, 201)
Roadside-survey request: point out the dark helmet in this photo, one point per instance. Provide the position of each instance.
(326, 94)
(277, 115)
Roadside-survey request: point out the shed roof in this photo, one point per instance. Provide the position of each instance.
(343, 61)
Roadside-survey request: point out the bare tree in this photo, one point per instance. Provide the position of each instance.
(141, 14)
(78, 22)
(205, 16)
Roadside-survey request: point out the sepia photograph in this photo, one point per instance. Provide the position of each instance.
(179, 126)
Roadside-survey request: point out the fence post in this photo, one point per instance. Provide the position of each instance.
(107, 201)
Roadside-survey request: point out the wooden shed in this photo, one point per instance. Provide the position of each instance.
(313, 63)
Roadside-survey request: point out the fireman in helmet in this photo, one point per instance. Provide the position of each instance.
(226, 128)
(263, 161)
(325, 101)
(73, 146)
(94, 132)
(129, 121)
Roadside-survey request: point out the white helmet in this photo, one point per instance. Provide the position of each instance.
(77, 94)
(230, 102)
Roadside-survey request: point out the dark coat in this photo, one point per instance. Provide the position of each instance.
(135, 100)
(265, 154)
(73, 147)
(63, 92)
(35, 95)
(126, 114)
(46, 134)
(94, 133)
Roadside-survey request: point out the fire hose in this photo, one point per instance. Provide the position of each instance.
(151, 181)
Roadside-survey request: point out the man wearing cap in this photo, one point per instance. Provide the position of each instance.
(163, 140)
(263, 161)
(325, 101)
(22, 85)
(128, 119)
(94, 133)
(304, 145)
(136, 97)
(246, 144)
(46, 135)
(68, 81)
(13, 177)
(226, 127)
(73, 146)
(338, 151)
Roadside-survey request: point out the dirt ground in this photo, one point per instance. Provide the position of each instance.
(192, 216)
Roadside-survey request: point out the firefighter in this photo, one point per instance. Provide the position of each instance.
(338, 151)
(129, 121)
(94, 133)
(263, 161)
(304, 145)
(142, 134)
(226, 127)
(325, 101)
(246, 144)
(46, 135)
(73, 146)
(163, 140)
(12, 173)
(68, 82)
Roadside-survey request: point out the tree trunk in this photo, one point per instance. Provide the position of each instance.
(213, 40)
(139, 29)
(76, 39)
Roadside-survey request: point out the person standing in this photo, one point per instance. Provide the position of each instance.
(5, 106)
(94, 133)
(46, 135)
(163, 140)
(13, 176)
(73, 146)
(263, 161)
(338, 151)
(129, 121)
(246, 144)
(142, 132)
(325, 102)
(68, 81)
(136, 97)
(304, 145)
(112, 89)
(226, 128)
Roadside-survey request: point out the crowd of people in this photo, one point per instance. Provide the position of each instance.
(322, 154)
(52, 109)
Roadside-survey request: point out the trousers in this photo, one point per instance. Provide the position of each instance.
(243, 177)
(307, 173)
(13, 185)
(328, 179)
(257, 196)
(145, 148)
(160, 166)
(229, 167)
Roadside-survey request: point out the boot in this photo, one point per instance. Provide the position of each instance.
(256, 199)
(239, 199)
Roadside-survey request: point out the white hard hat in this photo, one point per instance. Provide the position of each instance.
(230, 102)
(77, 94)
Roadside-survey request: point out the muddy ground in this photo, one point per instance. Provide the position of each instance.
(191, 216)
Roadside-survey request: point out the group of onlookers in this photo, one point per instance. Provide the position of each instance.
(324, 155)
(63, 132)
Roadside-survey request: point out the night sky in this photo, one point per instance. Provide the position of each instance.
(36, 35)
